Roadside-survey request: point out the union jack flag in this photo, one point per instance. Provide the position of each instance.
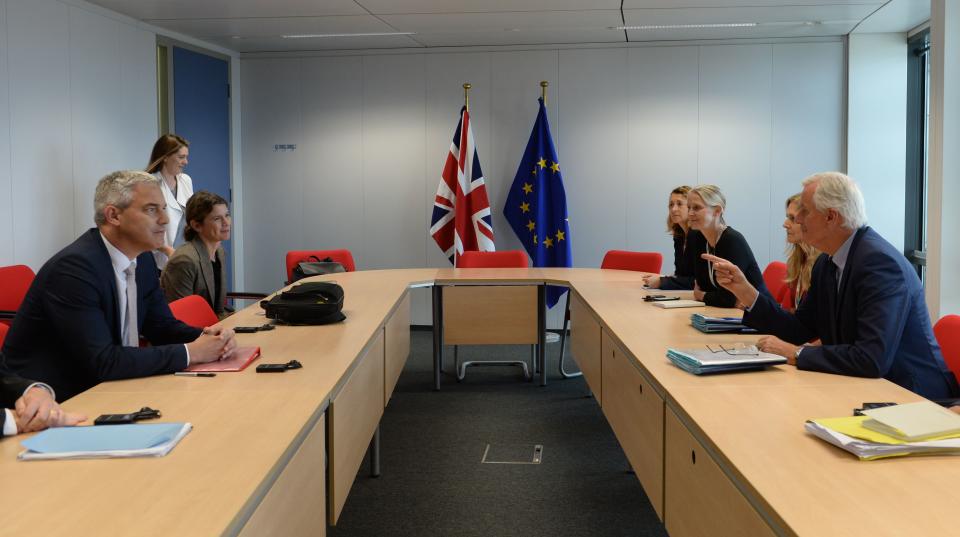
(461, 213)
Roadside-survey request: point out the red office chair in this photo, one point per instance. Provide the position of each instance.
(947, 331)
(773, 277)
(15, 280)
(618, 260)
(638, 261)
(3, 333)
(344, 257)
(505, 259)
(194, 310)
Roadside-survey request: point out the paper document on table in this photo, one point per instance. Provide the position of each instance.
(671, 304)
(719, 358)
(849, 434)
(913, 422)
(714, 325)
(103, 441)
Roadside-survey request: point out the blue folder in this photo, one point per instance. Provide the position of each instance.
(131, 440)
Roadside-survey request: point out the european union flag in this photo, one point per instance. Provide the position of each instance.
(537, 204)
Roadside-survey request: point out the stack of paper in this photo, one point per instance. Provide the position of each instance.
(849, 433)
(714, 325)
(101, 441)
(720, 358)
(913, 422)
(671, 304)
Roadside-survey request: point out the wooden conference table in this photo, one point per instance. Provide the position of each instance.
(721, 455)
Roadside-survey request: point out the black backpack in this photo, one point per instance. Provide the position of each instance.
(307, 303)
(314, 266)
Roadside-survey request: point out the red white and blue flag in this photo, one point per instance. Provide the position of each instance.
(461, 213)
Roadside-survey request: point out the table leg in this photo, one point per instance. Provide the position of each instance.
(375, 453)
(437, 335)
(542, 332)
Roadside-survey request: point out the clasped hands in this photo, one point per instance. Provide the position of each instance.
(215, 343)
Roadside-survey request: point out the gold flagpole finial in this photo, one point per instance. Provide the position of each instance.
(543, 90)
(466, 95)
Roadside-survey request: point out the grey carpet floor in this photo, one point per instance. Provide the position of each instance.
(433, 482)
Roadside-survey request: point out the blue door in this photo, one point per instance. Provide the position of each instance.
(201, 114)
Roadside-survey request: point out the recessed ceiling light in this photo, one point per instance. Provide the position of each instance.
(371, 34)
(687, 26)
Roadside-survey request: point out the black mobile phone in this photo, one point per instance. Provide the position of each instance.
(651, 298)
(272, 368)
(115, 419)
(868, 406)
(661, 298)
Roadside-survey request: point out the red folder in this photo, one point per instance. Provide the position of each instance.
(237, 361)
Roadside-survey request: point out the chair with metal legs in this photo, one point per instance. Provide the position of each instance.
(613, 260)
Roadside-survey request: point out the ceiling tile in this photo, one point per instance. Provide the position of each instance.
(317, 44)
(785, 14)
(262, 27)
(896, 16)
(532, 37)
(225, 9)
(382, 7)
(759, 32)
(559, 21)
(682, 4)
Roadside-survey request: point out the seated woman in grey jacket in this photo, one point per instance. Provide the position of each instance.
(198, 267)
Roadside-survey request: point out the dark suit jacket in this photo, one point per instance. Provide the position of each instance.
(876, 325)
(190, 272)
(733, 247)
(67, 331)
(11, 388)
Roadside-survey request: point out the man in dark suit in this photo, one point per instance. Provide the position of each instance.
(865, 303)
(80, 322)
(33, 406)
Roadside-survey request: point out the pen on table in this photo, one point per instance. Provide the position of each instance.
(192, 374)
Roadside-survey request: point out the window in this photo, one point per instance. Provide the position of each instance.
(918, 121)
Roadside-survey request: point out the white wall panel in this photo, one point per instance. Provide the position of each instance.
(808, 123)
(331, 154)
(40, 116)
(273, 180)
(592, 142)
(135, 122)
(735, 117)
(394, 116)
(876, 135)
(77, 100)
(95, 92)
(6, 185)
(664, 122)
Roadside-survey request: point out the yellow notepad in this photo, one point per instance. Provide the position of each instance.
(913, 422)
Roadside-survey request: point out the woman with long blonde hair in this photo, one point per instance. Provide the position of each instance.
(800, 258)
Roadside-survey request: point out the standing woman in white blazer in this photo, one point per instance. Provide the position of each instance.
(167, 160)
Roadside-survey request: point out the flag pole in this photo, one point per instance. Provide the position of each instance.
(466, 95)
(543, 90)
